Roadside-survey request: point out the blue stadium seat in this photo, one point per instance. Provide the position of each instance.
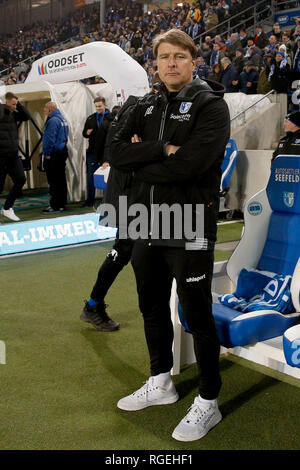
(228, 165)
(271, 243)
(291, 346)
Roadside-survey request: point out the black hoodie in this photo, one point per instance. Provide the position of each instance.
(196, 119)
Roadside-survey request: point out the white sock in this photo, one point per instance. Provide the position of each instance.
(162, 379)
(208, 402)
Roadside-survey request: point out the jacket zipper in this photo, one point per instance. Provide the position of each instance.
(160, 136)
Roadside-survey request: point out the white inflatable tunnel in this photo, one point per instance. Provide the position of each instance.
(57, 78)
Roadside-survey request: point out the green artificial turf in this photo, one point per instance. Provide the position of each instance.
(62, 378)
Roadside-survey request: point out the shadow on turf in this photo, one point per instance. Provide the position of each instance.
(114, 363)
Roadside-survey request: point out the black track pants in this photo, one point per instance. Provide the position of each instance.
(155, 268)
(114, 262)
(14, 168)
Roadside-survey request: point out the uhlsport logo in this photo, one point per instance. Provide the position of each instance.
(288, 198)
(63, 64)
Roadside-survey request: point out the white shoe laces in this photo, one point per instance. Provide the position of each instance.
(196, 412)
(145, 389)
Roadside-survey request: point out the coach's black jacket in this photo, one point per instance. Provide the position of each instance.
(9, 129)
(288, 145)
(197, 120)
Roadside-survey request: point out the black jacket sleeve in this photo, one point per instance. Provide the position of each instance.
(131, 156)
(90, 123)
(21, 114)
(201, 151)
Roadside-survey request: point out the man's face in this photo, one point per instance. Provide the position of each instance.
(47, 110)
(11, 104)
(290, 126)
(100, 107)
(175, 66)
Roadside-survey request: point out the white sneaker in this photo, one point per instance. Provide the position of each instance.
(199, 420)
(10, 214)
(149, 394)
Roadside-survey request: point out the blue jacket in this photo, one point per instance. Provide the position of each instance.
(55, 133)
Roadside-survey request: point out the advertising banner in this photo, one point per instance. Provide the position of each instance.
(125, 75)
(55, 232)
(287, 18)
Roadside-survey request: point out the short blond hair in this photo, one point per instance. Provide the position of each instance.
(176, 37)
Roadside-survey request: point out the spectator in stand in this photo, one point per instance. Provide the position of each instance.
(216, 73)
(234, 44)
(255, 55)
(239, 60)
(243, 37)
(296, 60)
(150, 74)
(211, 21)
(261, 39)
(206, 51)
(279, 73)
(139, 56)
(289, 44)
(216, 55)
(272, 43)
(264, 84)
(202, 70)
(276, 31)
(230, 76)
(250, 43)
(282, 48)
(220, 11)
(194, 14)
(222, 44)
(249, 79)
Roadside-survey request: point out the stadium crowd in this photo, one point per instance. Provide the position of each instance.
(250, 63)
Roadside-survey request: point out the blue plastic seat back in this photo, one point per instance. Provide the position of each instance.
(282, 247)
(228, 164)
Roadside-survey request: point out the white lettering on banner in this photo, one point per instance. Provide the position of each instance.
(49, 232)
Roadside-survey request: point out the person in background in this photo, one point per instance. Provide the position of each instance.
(92, 124)
(11, 113)
(118, 184)
(230, 76)
(290, 143)
(54, 147)
(202, 70)
(249, 79)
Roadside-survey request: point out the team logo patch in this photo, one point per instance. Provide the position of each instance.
(255, 208)
(288, 198)
(185, 106)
